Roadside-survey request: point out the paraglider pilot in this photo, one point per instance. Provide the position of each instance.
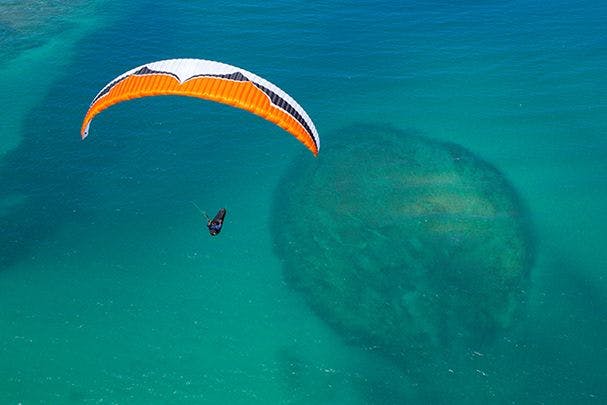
(216, 223)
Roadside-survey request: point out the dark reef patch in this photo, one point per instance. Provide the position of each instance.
(405, 245)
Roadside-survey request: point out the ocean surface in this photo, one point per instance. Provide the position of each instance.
(111, 289)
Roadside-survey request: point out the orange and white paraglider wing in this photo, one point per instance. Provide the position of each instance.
(213, 81)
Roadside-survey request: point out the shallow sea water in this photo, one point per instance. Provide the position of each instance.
(111, 291)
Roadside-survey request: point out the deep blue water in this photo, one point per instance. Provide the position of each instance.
(111, 290)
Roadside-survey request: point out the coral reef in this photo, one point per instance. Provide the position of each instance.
(27, 24)
(404, 244)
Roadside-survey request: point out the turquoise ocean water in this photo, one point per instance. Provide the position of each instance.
(112, 291)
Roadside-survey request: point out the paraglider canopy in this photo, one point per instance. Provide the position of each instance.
(213, 81)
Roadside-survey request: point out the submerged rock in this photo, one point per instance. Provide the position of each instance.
(404, 244)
